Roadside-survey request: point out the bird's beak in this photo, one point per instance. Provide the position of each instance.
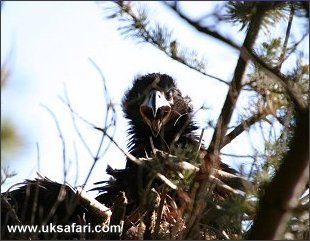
(155, 110)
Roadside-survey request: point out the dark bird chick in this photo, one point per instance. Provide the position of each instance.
(160, 118)
(45, 202)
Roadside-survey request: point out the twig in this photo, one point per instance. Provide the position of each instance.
(109, 107)
(62, 140)
(12, 213)
(66, 101)
(237, 155)
(235, 182)
(5, 174)
(76, 164)
(136, 160)
(159, 212)
(292, 49)
(107, 123)
(38, 156)
(199, 143)
(288, 31)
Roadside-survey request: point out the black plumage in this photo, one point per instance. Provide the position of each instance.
(160, 118)
(39, 201)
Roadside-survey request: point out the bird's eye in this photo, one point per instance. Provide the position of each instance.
(169, 94)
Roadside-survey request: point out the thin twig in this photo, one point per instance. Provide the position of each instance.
(159, 212)
(287, 35)
(73, 114)
(109, 107)
(38, 156)
(62, 140)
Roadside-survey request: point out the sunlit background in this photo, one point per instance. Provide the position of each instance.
(47, 47)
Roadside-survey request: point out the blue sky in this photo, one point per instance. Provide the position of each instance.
(47, 45)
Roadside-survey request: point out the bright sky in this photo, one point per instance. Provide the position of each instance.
(47, 45)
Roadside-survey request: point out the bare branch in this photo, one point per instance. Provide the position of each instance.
(108, 122)
(136, 160)
(202, 29)
(73, 114)
(109, 108)
(5, 174)
(242, 127)
(98, 209)
(11, 210)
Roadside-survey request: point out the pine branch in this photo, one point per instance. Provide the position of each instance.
(139, 27)
(243, 12)
(247, 54)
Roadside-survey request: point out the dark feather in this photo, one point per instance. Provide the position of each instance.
(38, 202)
(176, 132)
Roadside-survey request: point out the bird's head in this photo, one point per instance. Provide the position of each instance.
(156, 109)
(155, 102)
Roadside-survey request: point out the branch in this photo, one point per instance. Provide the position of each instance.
(62, 141)
(108, 122)
(160, 38)
(96, 208)
(233, 181)
(202, 29)
(274, 73)
(288, 31)
(159, 213)
(282, 194)
(212, 158)
(109, 108)
(236, 83)
(136, 160)
(245, 124)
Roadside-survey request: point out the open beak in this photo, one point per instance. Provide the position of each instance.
(155, 110)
